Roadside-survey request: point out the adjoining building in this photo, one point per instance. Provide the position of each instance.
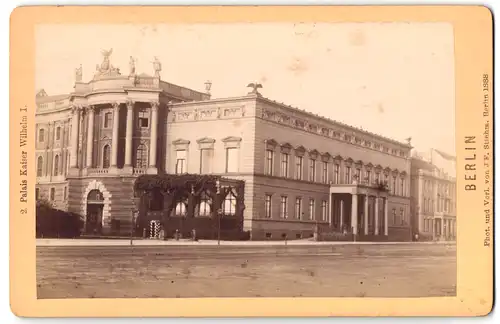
(434, 195)
(300, 171)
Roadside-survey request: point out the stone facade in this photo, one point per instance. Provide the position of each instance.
(434, 196)
(298, 167)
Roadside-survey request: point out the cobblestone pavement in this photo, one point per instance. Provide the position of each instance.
(365, 270)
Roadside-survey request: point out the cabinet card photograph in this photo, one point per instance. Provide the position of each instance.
(251, 161)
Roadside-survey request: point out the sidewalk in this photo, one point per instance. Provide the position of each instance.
(150, 242)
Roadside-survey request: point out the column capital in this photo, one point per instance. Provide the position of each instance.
(115, 105)
(154, 104)
(130, 104)
(76, 108)
(91, 108)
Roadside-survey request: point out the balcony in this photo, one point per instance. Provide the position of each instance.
(97, 171)
(139, 171)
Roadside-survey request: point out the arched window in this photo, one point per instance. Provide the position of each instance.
(41, 135)
(56, 165)
(58, 133)
(205, 206)
(39, 166)
(229, 204)
(180, 209)
(105, 156)
(141, 157)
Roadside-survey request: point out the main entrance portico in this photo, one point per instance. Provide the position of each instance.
(358, 208)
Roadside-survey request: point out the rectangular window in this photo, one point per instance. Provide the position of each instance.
(324, 212)
(336, 174)
(298, 208)
(284, 207)
(108, 120)
(269, 162)
(206, 158)
(377, 177)
(312, 170)
(402, 189)
(368, 176)
(324, 173)
(268, 206)
(358, 175)
(52, 194)
(394, 185)
(231, 159)
(347, 174)
(311, 209)
(402, 220)
(284, 164)
(41, 135)
(394, 216)
(65, 193)
(58, 133)
(299, 162)
(143, 119)
(37, 193)
(180, 162)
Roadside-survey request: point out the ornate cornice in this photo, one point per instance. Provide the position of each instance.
(206, 140)
(231, 139)
(181, 141)
(338, 132)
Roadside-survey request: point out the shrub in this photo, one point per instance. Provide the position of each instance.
(54, 223)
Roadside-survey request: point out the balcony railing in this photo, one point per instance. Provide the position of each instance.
(139, 171)
(97, 171)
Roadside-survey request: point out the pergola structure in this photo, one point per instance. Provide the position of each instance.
(211, 205)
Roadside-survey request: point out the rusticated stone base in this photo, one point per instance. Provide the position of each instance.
(118, 201)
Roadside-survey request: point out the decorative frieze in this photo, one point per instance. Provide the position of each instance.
(211, 113)
(339, 134)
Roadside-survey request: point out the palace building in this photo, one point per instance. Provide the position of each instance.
(300, 171)
(434, 195)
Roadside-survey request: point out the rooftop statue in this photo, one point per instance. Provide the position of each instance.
(132, 65)
(255, 88)
(106, 68)
(78, 74)
(157, 67)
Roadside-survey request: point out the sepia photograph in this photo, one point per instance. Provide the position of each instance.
(245, 160)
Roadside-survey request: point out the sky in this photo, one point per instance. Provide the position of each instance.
(393, 79)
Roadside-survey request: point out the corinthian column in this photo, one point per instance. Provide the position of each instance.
(386, 217)
(128, 134)
(365, 221)
(153, 137)
(90, 136)
(354, 214)
(75, 122)
(376, 214)
(114, 143)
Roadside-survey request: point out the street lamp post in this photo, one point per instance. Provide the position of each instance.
(132, 225)
(219, 215)
(219, 211)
